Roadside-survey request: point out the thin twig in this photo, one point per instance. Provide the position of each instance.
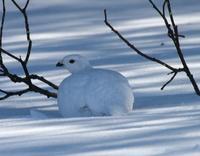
(163, 7)
(26, 5)
(172, 33)
(170, 80)
(5, 70)
(174, 70)
(27, 80)
(133, 47)
(1, 29)
(13, 93)
(24, 13)
(33, 76)
(24, 63)
(17, 5)
(9, 54)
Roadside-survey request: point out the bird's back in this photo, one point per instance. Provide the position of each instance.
(108, 92)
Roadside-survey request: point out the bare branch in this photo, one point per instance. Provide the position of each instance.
(27, 80)
(9, 54)
(174, 70)
(31, 87)
(42, 91)
(179, 50)
(17, 5)
(1, 29)
(13, 93)
(173, 76)
(26, 5)
(28, 37)
(177, 71)
(173, 35)
(156, 8)
(33, 76)
(163, 7)
(23, 11)
(170, 13)
(133, 47)
(1, 36)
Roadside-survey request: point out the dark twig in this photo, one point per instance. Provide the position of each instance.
(175, 70)
(16, 4)
(24, 13)
(9, 54)
(33, 76)
(163, 15)
(173, 76)
(172, 33)
(163, 7)
(13, 93)
(26, 5)
(133, 47)
(2, 66)
(27, 80)
(1, 29)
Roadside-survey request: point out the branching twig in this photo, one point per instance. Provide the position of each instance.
(8, 94)
(26, 5)
(133, 47)
(33, 76)
(9, 54)
(27, 80)
(175, 70)
(25, 61)
(172, 33)
(2, 66)
(170, 80)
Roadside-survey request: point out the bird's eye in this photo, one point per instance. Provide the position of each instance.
(71, 61)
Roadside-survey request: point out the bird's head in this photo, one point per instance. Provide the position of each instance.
(74, 63)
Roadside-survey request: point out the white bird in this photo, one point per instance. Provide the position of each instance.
(92, 92)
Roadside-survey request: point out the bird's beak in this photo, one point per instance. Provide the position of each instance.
(59, 64)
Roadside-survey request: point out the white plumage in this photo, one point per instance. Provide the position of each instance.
(92, 92)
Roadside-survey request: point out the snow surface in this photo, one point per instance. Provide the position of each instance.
(162, 123)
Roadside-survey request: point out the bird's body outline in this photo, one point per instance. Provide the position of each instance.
(99, 91)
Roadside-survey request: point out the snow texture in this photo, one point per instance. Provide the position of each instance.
(163, 123)
(92, 92)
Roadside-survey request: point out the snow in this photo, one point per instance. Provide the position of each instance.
(90, 91)
(163, 122)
